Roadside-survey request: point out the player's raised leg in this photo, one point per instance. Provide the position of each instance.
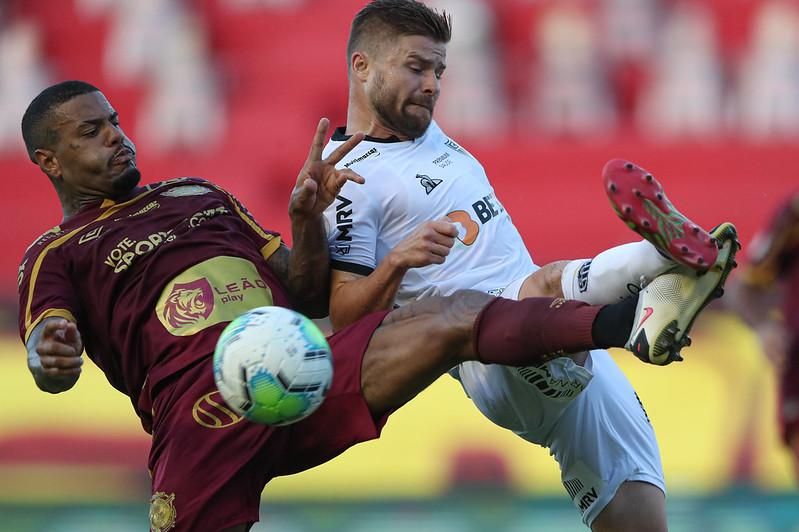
(419, 342)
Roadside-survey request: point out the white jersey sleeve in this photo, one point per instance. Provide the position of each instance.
(352, 223)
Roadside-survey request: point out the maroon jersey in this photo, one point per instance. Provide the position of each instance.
(774, 255)
(150, 280)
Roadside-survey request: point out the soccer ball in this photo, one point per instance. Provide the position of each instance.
(273, 366)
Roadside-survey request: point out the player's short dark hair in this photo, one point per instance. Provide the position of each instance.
(36, 122)
(386, 19)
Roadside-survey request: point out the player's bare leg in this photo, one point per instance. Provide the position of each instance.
(636, 506)
(418, 343)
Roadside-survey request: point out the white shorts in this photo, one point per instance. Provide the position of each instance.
(589, 417)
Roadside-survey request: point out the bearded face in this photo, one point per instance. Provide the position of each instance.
(404, 84)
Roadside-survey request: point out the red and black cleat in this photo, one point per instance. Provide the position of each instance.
(639, 200)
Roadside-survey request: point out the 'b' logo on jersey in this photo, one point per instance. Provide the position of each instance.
(188, 303)
(428, 183)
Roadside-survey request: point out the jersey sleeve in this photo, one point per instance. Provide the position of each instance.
(45, 289)
(773, 249)
(266, 241)
(352, 228)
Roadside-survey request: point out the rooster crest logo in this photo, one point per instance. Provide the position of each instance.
(188, 303)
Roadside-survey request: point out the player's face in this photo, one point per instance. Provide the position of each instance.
(95, 157)
(405, 84)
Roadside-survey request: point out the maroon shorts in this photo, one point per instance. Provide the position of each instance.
(209, 466)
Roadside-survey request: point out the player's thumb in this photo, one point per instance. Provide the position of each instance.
(304, 193)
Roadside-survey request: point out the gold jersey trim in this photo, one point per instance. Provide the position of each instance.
(273, 241)
(49, 313)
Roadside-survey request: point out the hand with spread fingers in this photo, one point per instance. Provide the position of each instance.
(319, 182)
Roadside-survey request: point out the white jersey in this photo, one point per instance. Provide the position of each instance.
(407, 184)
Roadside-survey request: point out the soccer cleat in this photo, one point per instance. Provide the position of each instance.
(639, 200)
(669, 304)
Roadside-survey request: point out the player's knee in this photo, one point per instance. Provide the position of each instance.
(455, 322)
(636, 506)
(545, 282)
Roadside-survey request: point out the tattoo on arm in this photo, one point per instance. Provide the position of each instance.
(279, 263)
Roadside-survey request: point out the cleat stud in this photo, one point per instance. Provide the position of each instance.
(628, 209)
(646, 223)
(700, 260)
(649, 177)
(613, 187)
(695, 229)
(659, 196)
(684, 249)
(638, 193)
(629, 166)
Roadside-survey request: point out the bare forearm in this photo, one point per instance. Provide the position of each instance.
(355, 299)
(309, 267)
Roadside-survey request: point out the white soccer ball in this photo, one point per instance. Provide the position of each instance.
(273, 366)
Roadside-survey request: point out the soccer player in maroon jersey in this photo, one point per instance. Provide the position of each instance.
(144, 279)
(767, 297)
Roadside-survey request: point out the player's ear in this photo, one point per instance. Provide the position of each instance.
(48, 162)
(359, 65)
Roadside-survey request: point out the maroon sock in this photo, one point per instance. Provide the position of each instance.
(533, 330)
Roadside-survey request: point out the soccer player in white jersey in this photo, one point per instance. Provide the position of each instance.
(427, 222)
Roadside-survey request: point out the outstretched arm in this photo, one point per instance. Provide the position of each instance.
(307, 266)
(353, 296)
(54, 354)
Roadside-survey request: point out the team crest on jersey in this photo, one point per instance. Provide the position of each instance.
(162, 512)
(428, 183)
(189, 303)
(186, 190)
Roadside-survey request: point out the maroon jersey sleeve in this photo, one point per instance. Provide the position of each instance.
(266, 241)
(773, 250)
(45, 289)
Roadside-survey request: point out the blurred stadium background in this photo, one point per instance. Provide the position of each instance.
(704, 93)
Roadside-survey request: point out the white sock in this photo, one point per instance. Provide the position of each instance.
(613, 274)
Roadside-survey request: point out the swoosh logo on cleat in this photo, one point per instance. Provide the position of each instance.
(647, 312)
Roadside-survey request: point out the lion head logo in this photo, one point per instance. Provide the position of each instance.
(188, 303)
